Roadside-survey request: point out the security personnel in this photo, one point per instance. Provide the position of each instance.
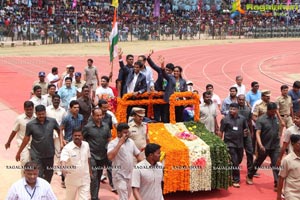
(139, 129)
(285, 107)
(261, 108)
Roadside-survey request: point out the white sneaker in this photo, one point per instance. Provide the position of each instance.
(103, 178)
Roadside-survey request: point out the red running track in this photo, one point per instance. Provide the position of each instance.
(269, 63)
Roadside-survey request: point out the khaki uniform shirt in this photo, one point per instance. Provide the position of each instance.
(139, 134)
(260, 109)
(284, 105)
(91, 74)
(290, 170)
(148, 179)
(80, 84)
(44, 86)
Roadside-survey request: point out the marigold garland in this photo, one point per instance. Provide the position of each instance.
(156, 98)
(152, 98)
(176, 155)
(193, 99)
(200, 178)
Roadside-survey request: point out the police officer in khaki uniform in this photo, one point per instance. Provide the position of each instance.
(139, 129)
(261, 108)
(285, 107)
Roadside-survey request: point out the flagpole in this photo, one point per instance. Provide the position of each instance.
(111, 70)
(113, 38)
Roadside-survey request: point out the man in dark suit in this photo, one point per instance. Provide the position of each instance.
(136, 81)
(122, 76)
(161, 111)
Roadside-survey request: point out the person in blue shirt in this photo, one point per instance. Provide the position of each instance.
(67, 92)
(295, 94)
(254, 94)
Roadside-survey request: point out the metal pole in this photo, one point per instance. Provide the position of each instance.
(30, 23)
(271, 27)
(240, 25)
(76, 26)
(131, 32)
(173, 24)
(158, 27)
(199, 23)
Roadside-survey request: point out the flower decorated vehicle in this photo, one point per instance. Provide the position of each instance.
(194, 159)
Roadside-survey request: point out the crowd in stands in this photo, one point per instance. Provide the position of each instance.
(58, 22)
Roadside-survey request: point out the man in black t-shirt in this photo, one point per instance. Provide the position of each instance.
(234, 127)
(42, 144)
(268, 140)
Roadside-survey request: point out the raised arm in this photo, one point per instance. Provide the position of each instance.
(152, 64)
(113, 153)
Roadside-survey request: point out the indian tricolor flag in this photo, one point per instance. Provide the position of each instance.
(113, 38)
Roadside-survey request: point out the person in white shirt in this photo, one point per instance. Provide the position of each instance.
(241, 88)
(58, 113)
(208, 113)
(121, 151)
(31, 187)
(75, 161)
(190, 87)
(53, 77)
(37, 98)
(19, 129)
(71, 74)
(214, 97)
(147, 176)
(104, 92)
(49, 95)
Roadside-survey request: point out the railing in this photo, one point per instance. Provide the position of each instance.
(55, 34)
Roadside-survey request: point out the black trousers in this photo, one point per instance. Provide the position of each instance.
(161, 113)
(254, 144)
(273, 154)
(179, 113)
(97, 170)
(249, 151)
(45, 167)
(236, 155)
